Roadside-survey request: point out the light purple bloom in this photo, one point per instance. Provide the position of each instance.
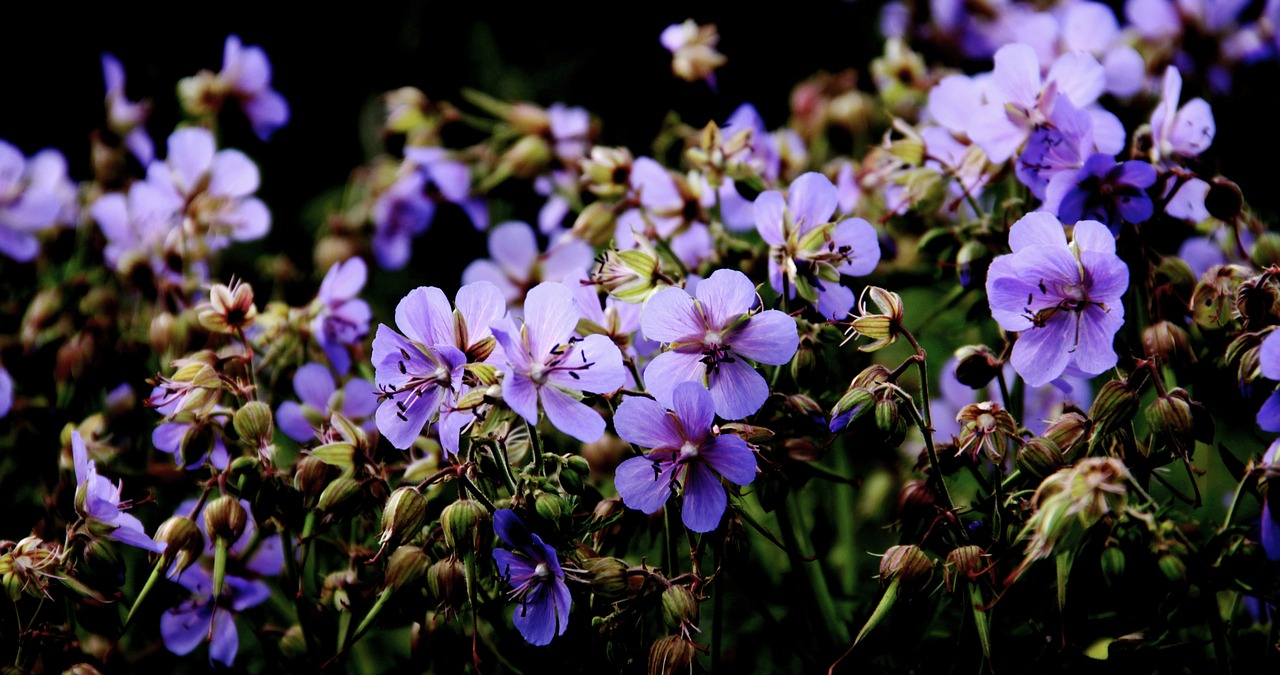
(170, 436)
(708, 339)
(808, 253)
(570, 127)
(546, 363)
(1180, 132)
(1064, 300)
(314, 385)
(342, 318)
(247, 73)
(6, 392)
(516, 266)
(405, 210)
(141, 225)
(124, 117)
(1269, 366)
(101, 501)
(35, 195)
(216, 187)
(1103, 190)
(413, 379)
(671, 208)
(1056, 148)
(533, 571)
(685, 454)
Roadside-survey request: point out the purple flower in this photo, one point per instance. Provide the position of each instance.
(124, 117)
(708, 339)
(98, 500)
(1269, 366)
(516, 265)
(202, 616)
(35, 195)
(171, 437)
(546, 363)
(314, 384)
(6, 392)
(1061, 146)
(246, 72)
(671, 208)
(570, 128)
(1270, 527)
(1180, 132)
(1063, 299)
(808, 253)
(1103, 190)
(685, 454)
(1040, 405)
(405, 210)
(413, 379)
(140, 226)
(533, 571)
(216, 187)
(342, 318)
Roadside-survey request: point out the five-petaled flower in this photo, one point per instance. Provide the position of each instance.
(536, 578)
(1064, 300)
(685, 453)
(708, 339)
(413, 378)
(98, 500)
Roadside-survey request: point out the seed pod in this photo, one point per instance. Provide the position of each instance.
(609, 579)
(408, 565)
(253, 423)
(679, 607)
(670, 655)
(341, 498)
(1113, 407)
(183, 540)
(447, 582)
(908, 564)
(402, 516)
(1067, 431)
(1040, 457)
(225, 518)
(467, 526)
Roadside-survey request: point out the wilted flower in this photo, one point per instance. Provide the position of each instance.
(230, 308)
(684, 453)
(883, 327)
(533, 571)
(986, 427)
(1064, 299)
(98, 500)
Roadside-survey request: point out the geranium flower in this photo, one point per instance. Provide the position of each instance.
(516, 265)
(341, 317)
(708, 339)
(216, 187)
(533, 571)
(1064, 300)
(413, 380)
(314, 385)
(246, 72)
(1103, 190)
(35, 195)
(98, 500)
(124, 117)
(685, 455)
(547, 363)
(1180, 132)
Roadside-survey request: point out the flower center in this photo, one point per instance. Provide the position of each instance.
(688, 452)
(542, 571)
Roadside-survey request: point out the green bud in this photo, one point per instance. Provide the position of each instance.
(402, 516)
(1040, 457)
(527, 157)
(679, 607)
(184, 543)
(408, 565)
(887, 417)
(857, 403)
(552, 507)
(1067, 431)
(1113, 407)
(1173, 569)
(340, 499)
(1112, 564)
(293, 644)
(572, 482)
(1170, 417)
(311, 477)
(467, 526)
(595, 224)
(447, 582)
(335, 593)
(225, 518)
(609, 579)
(253, 423)
(578, 464)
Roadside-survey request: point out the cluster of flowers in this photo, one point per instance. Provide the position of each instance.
(673, 339)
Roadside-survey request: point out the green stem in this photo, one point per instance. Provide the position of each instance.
(813, 576)
(504, 465)
(671, 522)
(156, 573)
(306, 581)
(934, 465)
(535, 447)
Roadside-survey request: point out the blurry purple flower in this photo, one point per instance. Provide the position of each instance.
(1059, 147)
(246, 72)
(314, 385)
(216, 187)
(1064, 300)
(342, 318)
(533, 571)
(413, 379)
(808, 253)
(516, 266)
(570, 127)
(98, 499)
(708, 339)
(126, 118)
(35, 195)
(1180, 132)
(1269, 365)
(671, 208)
(546, 363)
(405, 210)
(554, 187)
(1104, 191)
(6, 392)
(1092, 27)
(693, 51)
(685, 454)
(1270, 528)
(141, 225)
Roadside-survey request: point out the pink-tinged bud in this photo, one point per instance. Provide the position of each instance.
(1115, 406)
(909, 565)
(335, 591)
(988, 428)
(679, 608)
(230, 309)
(311, 477)
(225, 518)
(609, 579)
(1224, 200)
(916, 499)
(1040, 457)
(1067, 431)
(966, 562)
(447, 583)
(671, 655)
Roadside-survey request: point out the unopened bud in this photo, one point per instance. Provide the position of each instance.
(293, 644)
(527, 157)
(1265, 251)
(447, 582)
(1168, 342)
(1040, 457)
(966, 562)
(253, 423)
(1224, 200)
(403, 516)
(976, 366)
(335, 591)
(854, 405)
(670, 655)
(467, 526)
(679, 607)
(1173, 569)
(887, 417)
(916, 499)
(407, 566)
(1112, 564)
(609, 579)
(1113, 407)
(340, 499)
(907, 563)
(225, 518)
(184, 544)
(596, 224)
(552, 507)
(1067, 431)
(1170, 416)
(311, 477)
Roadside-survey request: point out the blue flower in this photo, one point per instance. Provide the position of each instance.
(536, 578)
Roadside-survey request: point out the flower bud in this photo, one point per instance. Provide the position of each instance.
(311, 477)
(82, 669)
(596, 224)
(976, 366)
(609, 579)
(1173, 569)
(253, 423)
(527, 157)
(1066, 431)
(1040, 457)
(467, 526)
(293, 644)
(1265, 251)
(967, 562)
(916, 499)
(408, 565)
(552, 507)
(1168, 342)
(403, 516)
(225, 518)
(853, 406)
(671, 655)
(630, 276)
(881, 327)
(1113, 407)
(887, 417)
(908, 564)
(340, 498)
(1170, 419)
(447, 583)
(1224, 200)
(1112, 562)
(184, 544)
(679, 607)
